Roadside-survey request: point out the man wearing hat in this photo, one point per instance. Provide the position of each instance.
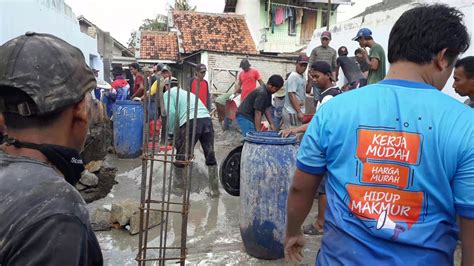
(295, 88)
(247, 79)
(324, 53)
(376, 57)
(45, 101)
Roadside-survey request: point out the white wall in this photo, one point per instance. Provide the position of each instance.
(381, 24)
(20, 16)
(251, 10)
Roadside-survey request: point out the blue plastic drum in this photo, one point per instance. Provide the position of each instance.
(128, 129)
(266, 169)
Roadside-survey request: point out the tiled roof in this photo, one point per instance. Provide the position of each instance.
(213, 32)
(160, 45)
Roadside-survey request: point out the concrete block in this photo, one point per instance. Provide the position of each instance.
(154, 220)
(122, 211)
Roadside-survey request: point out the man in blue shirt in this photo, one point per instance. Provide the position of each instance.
(399, 156)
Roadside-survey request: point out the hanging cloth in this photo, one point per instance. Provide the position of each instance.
(279, 16)
(299, 16)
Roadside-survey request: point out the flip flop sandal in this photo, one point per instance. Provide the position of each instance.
(309, 229)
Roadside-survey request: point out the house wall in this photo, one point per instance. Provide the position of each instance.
(47, 16)
(279, 40)
(381, 24)
(221, 81)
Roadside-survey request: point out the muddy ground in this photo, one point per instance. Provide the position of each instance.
(213, 226)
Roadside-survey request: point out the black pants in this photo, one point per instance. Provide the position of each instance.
(204, 134)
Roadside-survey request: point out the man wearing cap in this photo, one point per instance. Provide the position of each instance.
(295, 88)
(204, 94)
(376, 57)
(45, 100)
(138, 81)
(464, 79)
(156, 98)
(324, 53)
(247, 79)
(257, 104)
(399, 163)
(204, 133)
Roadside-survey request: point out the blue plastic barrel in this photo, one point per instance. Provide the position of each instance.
(128, 129)
(266, 169)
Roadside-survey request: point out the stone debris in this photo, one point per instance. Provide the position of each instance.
(155, 219)
(122, 211)
(94, 166)
(89, 179)
(124, 215)
(101, 219)
(80, 187)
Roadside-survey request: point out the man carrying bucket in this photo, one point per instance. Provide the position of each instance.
(400, 162)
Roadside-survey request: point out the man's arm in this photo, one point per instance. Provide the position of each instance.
(294, 130)
(300, 200)
(296, 104)
(238, 84)
(467, 241)
(374, 63)
(257, 118)
(260, 81)
(269, 117)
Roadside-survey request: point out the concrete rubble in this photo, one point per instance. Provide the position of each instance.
(123, 215)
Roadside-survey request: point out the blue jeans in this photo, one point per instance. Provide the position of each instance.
(245, 124)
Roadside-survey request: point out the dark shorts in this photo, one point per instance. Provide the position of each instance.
(204, 134)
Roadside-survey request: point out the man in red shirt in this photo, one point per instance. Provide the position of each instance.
(204, 94)
(247, 79)
(139, 81)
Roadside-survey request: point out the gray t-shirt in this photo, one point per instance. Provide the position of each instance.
(350, 68)
(44, 220)
(325, 54)
(295, 83)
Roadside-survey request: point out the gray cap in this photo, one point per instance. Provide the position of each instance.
(52, 72)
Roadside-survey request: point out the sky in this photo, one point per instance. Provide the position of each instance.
(120, 17)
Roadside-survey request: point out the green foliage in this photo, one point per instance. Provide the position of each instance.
(182, 5)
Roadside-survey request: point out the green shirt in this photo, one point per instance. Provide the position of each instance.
(179, 105)
(378, 53)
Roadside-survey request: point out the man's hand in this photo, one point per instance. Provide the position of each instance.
(300, 116)
(287, 132)
(365, 54)
(294, 248)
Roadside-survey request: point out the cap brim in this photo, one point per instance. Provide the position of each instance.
(356, 38)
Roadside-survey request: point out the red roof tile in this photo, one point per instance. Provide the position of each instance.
(160, 45)
(213, 32)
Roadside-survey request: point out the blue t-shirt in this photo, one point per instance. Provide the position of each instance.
(400, 159)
